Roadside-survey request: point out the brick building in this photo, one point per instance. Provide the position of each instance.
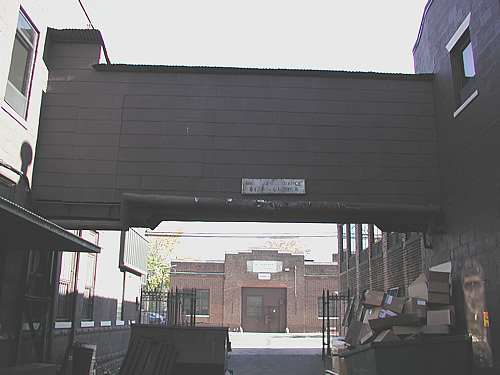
(258, 290)
(372, 259)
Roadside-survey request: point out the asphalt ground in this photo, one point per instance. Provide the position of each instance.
(276, 354)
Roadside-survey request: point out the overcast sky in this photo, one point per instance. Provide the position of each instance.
(352, 35)
(364, 35)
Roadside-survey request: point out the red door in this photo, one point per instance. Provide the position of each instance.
(263, 309)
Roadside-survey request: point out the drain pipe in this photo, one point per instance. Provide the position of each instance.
(295, 279)
(162, 207)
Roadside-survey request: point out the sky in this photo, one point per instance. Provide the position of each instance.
(351, 35)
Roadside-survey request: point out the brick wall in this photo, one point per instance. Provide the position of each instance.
(318, 278)
(397, 264)
(468, 159)
(304, 283)
(202, 275)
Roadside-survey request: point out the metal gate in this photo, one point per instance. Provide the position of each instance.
(172, 308)
(334, 310)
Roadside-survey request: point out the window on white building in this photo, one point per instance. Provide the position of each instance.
(66, 284)
(22, 65)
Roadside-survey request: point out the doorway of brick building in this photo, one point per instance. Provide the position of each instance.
(263, 309)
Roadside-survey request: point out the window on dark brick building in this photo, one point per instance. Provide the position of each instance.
(365, 236)
(352, 231)
(202, 297)
(333, 307)
(463, 66)
(464, 69)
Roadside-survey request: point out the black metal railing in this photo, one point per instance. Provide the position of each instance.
(334, 309)
(172, 308)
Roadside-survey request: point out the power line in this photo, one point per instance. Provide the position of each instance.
(86, 14)
(239, 235)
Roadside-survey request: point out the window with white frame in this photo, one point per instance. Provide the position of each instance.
(88, 293)
(66, 285)
(377, 234)
(88, 265)
(22, 65)
(352, 231)
(365, 236)
(344, 237)
(463, 66)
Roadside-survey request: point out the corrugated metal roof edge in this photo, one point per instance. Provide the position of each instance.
(75, 35)
(256, 71)
(79, 36)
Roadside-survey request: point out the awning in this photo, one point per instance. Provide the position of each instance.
(21, 229)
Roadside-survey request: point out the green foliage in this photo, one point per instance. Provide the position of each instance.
(159, 255)
(289, 245)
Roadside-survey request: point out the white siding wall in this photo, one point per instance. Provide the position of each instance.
(14, 129)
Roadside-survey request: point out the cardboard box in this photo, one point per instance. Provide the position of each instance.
(338, 363)
(372, 313)
(357, 333)
(420, 289)
(386, 336)
(373, 298)
(395, 304)
(445, 316)
(353, 332)
(436, 330)
(406, 330)
(438, 298)
(379, 325)
(366, 334)
(416, 305)
(439, 277)
(439, 282)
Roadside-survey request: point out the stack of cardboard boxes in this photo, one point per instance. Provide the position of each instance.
(386, 318)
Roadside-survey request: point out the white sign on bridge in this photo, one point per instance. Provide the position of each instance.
(273, 186)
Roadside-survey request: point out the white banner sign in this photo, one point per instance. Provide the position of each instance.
(273, 186)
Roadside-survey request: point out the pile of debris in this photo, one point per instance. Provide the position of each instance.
(386, 318)
(394, 334)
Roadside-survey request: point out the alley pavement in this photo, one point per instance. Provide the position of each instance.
(276, 354)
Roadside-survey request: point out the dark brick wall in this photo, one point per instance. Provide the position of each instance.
(314, 286)
(397, 264)
(468, 157)
(360, 137)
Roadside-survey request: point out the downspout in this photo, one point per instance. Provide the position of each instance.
(295, 279)
(55, 300)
